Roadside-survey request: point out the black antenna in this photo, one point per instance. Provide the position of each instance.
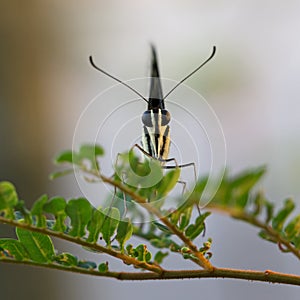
(118, 80)
(189, 75)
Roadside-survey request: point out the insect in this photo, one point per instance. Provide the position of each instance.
(156, 129)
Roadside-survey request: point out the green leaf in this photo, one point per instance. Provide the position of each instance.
(103, 267)
(269, 211)
(279, 219)
(91, 152)
(94, 226)
(137, 173)
(38, 246)
(292, 231)
(38, 210)
(133, 160)
(167, 183)
(186, 253)
(142, 254)
(64, 157)
(112, 217)
(243, 183)
(148, 256)
(293, 227)
(8, 199)
(160, 243)
(206, 247)
(20, 207)
(264, 235)
(80, 212)
(159, 257)
(56, 206)
(296, 241)
(58, 174)
(146, 176)
(164, 242)
(259, 201)
(86, 152)
(247, 179)
(174, 216)
(66, 259)
(194, 230)
(133, 163)
(185, 217)
(124, 232)
(162, 227)
(195, 196)
(130, 250)
(235, 191)
(15, 248)
(87, 264)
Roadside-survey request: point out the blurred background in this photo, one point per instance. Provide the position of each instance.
(252, 84)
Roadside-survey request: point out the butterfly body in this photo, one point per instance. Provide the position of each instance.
(156, 131)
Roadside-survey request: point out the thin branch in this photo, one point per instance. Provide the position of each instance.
(264, 276)
(125, 258)
(202, 261)
(244, 216)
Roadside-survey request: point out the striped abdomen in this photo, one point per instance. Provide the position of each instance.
(156, 133)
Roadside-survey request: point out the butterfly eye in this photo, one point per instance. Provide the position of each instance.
(146, 118)
(165, 117)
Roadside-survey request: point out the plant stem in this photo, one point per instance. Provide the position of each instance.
(264, 276)
(244, 216)
(202, 261)
(125, 258)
